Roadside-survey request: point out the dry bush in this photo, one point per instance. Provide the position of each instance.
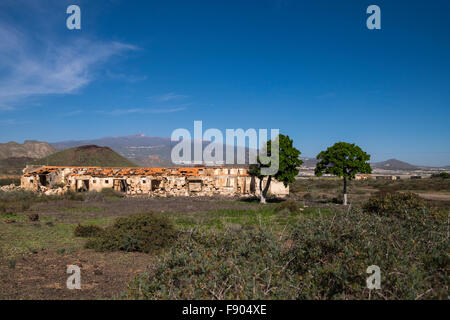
(244, 264)
(394, 204)
(87, 231)
(144, 233)
(18, 201)
(289, 205)
(322, 258)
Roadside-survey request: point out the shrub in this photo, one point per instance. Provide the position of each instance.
(108, 192)
(71, 195)
(338, 200)
(330, 256)
(394, 204)
(289, 205)
(144, 233)
(87, 231)
(33, 217)
(324, 258)
(94, 196)
(229, 265)
(18, 201)
(307, 196)
(444, 175)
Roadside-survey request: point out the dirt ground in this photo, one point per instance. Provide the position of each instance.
(73, 211)
(47, 247)
(43, 275)
(435, 196)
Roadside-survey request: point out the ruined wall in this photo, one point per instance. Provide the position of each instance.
(161, 182)
(29, 183)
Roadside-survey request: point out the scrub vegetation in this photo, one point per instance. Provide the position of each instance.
(307, 246)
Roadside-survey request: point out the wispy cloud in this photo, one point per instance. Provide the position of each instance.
(121, 112)
(171, 96)
(5, 107)
(126, 77)
(28, 68)
(11, 122)
(71, 113)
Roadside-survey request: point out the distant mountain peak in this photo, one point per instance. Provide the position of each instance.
(86, 155)
(393, 164)
(29, 149)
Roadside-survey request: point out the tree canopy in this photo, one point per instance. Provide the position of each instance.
(343, 160)
(288, 162)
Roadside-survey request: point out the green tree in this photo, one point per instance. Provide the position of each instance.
(343, 160)
(288, 161)
(444, 175)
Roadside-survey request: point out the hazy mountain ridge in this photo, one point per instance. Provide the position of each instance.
(89, 155)
(391, 164)
(29, 149)
(144, 150)
(394, 164)
(147, 151)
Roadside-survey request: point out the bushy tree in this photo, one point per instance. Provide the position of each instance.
(288, 163)
(343, 160)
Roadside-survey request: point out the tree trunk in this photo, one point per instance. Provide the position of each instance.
(345, 191)
(263, 192)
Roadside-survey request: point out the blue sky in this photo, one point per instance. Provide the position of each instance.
(310, 68)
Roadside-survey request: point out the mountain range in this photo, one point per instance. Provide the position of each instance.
(89, 155)
(15, 156)
(140, 149)
(29, 149)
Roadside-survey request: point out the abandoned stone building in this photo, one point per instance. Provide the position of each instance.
(181, 181)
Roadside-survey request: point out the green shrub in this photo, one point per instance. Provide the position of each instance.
(290, 205)
(330, 256)
(18, 201)
(307, 196)
(230, 265)
(87, 231)
(94, 196)
(108, 192)
(71, 195)
(144, 233)
(324, 258)
(444, 175)
(395, 204)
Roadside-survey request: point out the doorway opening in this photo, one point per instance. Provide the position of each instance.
(120, 185)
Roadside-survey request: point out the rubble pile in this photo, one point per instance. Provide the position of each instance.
(10, 188)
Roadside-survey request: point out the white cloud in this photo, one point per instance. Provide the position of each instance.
(121, 112)
(170, 97)
(126, 77)
(28, 68)
(12, 122)
(5, 107)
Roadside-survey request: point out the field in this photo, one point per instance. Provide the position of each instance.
(305, 247)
